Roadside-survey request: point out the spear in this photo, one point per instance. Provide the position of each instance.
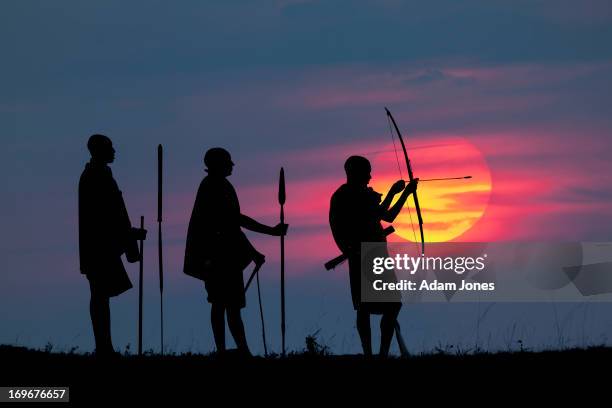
(159, 241)
(140, 273)
(281, 201)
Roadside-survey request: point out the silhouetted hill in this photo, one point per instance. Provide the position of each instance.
(316, 379)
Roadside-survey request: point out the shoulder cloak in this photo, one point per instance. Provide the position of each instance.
(215, 243)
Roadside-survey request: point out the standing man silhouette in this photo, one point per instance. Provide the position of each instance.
(354, 217)
(105, 233)
(217, 250)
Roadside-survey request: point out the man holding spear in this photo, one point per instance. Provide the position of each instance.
(105, 233)
(217, 250)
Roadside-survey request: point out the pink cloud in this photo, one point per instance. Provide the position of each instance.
(537, 169)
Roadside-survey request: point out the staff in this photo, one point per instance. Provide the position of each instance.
(281, 201)
(140, 270)
(159, 241)
(261, 313)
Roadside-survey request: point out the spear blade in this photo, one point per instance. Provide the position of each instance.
(281, 187)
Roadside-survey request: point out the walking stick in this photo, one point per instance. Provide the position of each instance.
(281, 201)
(255, 273)
(159, 242)
(140, 274)
(261, 315)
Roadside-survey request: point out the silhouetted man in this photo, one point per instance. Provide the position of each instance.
(217, 250)
(105, 233)
(354, 216)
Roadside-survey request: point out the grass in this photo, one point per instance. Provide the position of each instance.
(313, 374)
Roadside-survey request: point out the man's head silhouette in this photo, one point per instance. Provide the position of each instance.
(101, 149)
(218, 162)
(358, 170)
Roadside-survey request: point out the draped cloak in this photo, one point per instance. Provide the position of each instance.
(104, 231)
(217, 251)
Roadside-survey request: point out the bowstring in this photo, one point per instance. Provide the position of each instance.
(402, 177)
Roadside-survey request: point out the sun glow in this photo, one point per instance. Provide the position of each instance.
(449, 208)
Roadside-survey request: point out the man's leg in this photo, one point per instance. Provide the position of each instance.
(234, 321)
(217, 321)
(99, 311)
(365, 333)
(387, 329)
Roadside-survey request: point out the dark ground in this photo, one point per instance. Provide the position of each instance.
(317, 380)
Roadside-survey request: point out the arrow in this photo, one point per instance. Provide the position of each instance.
(446, 178)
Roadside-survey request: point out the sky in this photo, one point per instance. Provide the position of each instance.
(516, 94)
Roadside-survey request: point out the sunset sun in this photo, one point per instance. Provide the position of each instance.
(449, 208)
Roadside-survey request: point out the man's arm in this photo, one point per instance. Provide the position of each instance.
(396, 188)
(384, 206)
(390, 215)
(252, 225)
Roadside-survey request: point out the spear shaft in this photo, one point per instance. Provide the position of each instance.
(140, 276)
(159, 242)
(261, 315)
(281, 201)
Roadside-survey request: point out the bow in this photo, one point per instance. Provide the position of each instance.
(411, 178)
